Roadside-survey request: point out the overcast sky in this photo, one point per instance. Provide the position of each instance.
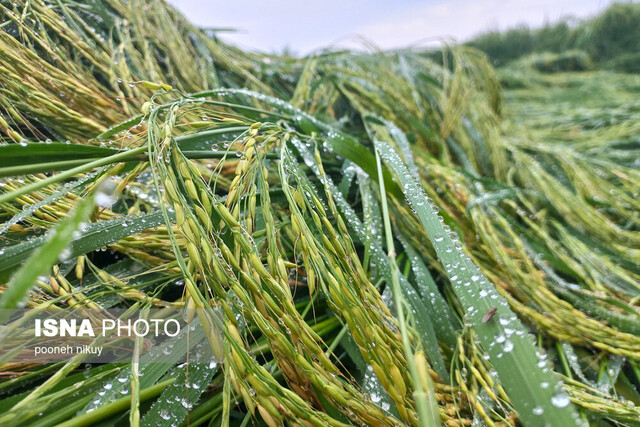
(306, 25)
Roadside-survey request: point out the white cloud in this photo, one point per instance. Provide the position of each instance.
(462, 19)
(305, 25)
(272, 25)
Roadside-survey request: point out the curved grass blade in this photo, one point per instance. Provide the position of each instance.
(153, 365)
(33, 153)
(204, 139)
(94, 236)
(442, 318)
(51, 246)
(425, 401)
(69, 173)
(105, 411)
(17, 395)
(119, 128)
(174, 404)
(134, 378)
(431, 313)
(532, 387)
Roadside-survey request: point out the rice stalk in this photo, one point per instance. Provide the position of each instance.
(258, 179)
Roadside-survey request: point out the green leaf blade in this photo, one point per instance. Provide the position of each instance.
(534, 391)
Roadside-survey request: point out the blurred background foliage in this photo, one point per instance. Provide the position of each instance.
(610, 39)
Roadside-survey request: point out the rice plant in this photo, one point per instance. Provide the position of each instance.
(382, 243)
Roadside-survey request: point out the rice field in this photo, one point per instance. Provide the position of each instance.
(366, 238)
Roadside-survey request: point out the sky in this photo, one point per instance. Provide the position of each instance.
(303, 26)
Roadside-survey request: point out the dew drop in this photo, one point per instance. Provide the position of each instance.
(560, 400)
(508, 346)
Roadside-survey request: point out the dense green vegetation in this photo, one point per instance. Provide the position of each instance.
(389, 239)
(611, 38)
